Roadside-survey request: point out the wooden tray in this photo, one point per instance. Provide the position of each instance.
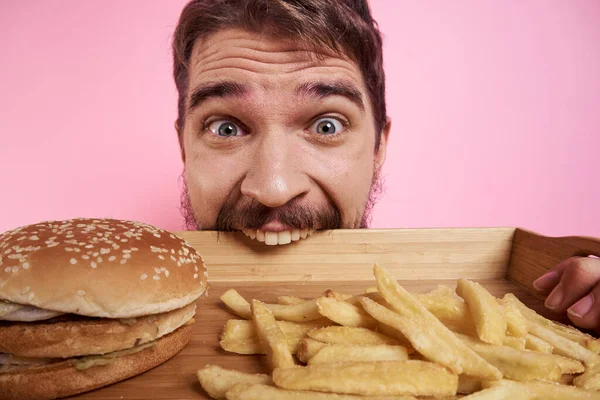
(502, 259)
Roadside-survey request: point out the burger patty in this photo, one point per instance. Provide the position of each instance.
(71, 335)
(63, 378)
(10, 363)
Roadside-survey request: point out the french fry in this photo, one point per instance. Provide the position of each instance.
(449, 310)
(562, 345)
(396, 334)
(247, 346)
(372, 355)
(446, 305)
(442, 301)
(468, 385)
(239, 336)
(587, 341)
(518, 365)
(355, 316)
(568, 365)
(516, 324)
(547, 390)
(442, 290)
(534, 343)
(290, 300)
(350, 336)
(514, 342)
(332, 294)
(345, 313)
(254, 346)
(415, 330)
(216, 381)
(590, 379)
(308, 348)
(371, 289)
(236, 303)
(238, 329)
(469, 362)
(375, 296)
(380, 378)
(303, 312)
(512, 391)
(553, 391)
(485, 310)
(333, 353)
(271, 336)
(264, 392)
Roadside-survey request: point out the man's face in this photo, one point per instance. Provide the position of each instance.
(277, 140)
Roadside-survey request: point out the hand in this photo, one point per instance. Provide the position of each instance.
(575, 288)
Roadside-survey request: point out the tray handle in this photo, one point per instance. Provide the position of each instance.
(534, 254)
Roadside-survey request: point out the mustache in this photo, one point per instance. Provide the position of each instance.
(232, 216)
(251, 214)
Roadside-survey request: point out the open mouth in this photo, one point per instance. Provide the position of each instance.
(274, 238)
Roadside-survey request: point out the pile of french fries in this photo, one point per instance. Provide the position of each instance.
(388, 343)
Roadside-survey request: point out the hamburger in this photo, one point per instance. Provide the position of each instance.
(85, 303)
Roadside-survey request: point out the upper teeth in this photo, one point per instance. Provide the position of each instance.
(273, 238)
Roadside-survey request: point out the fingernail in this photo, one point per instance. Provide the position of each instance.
(582, 307)
(553, 301)
(546, 281)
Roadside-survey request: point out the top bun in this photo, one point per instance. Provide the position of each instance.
(99, 268)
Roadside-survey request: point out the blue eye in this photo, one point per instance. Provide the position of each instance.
(327, 126)
(225, 128)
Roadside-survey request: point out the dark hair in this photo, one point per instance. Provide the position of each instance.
(344, 26)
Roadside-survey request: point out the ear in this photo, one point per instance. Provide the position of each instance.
(381, 151)
(180, 138)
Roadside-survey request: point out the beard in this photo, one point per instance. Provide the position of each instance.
(248, 213)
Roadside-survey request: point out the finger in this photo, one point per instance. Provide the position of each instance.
(551, 278)
(586, 312)
(580, 275)
(548, 280)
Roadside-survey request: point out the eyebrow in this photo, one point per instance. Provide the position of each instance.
(322, 90)
(212, 90)
(319, 90)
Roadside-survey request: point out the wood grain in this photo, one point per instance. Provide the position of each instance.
(534, 254)
(479, 253)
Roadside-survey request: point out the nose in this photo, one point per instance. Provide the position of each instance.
(274, 177)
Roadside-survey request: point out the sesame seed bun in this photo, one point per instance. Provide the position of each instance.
(63, 379)
(99, 268)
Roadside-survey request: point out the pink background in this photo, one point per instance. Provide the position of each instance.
(496, 110)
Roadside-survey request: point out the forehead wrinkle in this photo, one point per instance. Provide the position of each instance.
(261, 56)
(262, 68)
(247, 42)
(221, 53)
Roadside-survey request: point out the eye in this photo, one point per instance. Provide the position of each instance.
(327, 126)
(225, 128)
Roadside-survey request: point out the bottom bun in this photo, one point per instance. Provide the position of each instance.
(62, 379)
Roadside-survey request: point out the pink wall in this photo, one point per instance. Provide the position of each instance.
(496, 109)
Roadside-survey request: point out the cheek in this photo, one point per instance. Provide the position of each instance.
(345, 175)
(210, 180)
(353, 181)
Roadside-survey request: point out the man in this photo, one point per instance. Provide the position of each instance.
(283, 128)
